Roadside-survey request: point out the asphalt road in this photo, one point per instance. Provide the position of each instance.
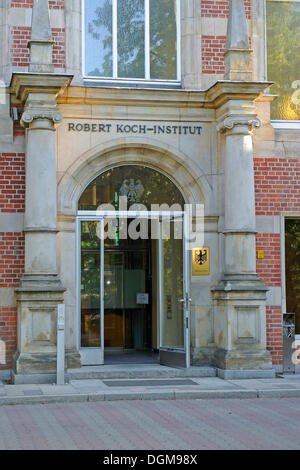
(153, 425)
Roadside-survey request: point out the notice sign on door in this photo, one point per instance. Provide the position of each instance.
(142, 299)
(201, 263)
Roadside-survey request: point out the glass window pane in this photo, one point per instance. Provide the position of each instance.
(131, 38)
(172, 292)
(140, 184)
(283, 49)
(90, 285)
(292, 268)
(98, 38)
(163, 41)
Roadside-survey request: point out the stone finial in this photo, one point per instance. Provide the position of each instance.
(41, 44)
(237, 54)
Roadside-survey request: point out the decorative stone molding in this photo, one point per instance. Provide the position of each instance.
(231, 122)
(39, 113)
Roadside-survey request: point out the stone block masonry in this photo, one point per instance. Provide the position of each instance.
(8, 336)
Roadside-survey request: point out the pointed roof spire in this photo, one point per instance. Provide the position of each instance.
(41, 43)
(237, 54)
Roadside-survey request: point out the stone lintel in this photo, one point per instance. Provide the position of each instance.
(217, 95)
(23, 84)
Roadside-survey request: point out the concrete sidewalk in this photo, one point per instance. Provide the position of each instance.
(91, 390)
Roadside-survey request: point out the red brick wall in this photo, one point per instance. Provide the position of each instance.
(277, 185)
(219, 8)
(12, 182)
(11, 258)
(20, 36)
(277, 188)
(12, 200)
(274, 334)
(58, 36)
(8, 336)
(269, 269)
(213, 48)
(54, 4)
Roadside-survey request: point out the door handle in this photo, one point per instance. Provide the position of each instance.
(187, 300)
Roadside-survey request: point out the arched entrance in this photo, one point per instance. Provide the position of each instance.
(132, 267)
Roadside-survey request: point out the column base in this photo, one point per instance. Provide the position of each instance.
(37, 300)
(240, 360)
(240, 327)
(37, 363)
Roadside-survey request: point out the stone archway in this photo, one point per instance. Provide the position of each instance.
(186, 173)
(182, 170)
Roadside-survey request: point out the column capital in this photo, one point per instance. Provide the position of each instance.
(31, 114)
(239, 124)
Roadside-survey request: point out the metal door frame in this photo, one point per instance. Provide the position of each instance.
(95, 356)
(173, 356)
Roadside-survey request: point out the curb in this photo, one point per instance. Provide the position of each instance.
(160, 395)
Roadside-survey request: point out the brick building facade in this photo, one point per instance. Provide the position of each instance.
(204, 34)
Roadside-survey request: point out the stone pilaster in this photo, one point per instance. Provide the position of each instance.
(41, 289)
(240, 297)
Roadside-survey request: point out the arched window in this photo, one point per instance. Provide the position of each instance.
(140, 184)
(132, 39)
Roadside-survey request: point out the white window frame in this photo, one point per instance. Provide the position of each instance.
(146, 80)
(283, 124)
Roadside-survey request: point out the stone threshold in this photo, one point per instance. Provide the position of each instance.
(141, 371)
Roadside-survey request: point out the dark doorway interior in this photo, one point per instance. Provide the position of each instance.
(127, 299)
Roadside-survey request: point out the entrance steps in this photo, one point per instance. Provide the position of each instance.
(138, 371)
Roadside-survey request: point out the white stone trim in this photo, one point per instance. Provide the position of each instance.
(259, 44)
(11, 222)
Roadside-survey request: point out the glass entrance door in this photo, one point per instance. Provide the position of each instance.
(174, 295)
(133, 293)
(90, 263)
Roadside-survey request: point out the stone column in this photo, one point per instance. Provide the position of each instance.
(239, 217)
(40, 214)
(41, 289)
(239, 298)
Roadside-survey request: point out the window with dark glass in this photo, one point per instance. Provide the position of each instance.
(292, 268)
(131, 39)
(283, 58)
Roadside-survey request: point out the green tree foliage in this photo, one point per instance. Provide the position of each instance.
(131, 38)
(283, 48)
